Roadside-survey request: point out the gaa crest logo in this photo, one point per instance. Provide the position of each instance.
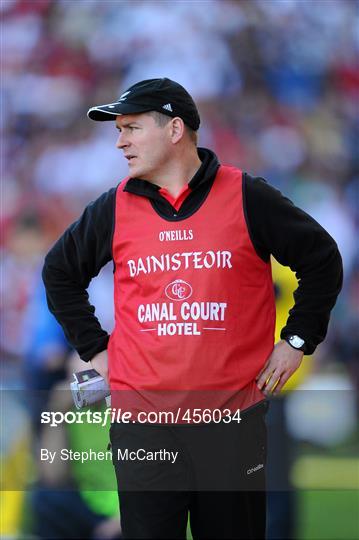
(178, 290)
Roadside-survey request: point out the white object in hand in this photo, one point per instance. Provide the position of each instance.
(88, 387)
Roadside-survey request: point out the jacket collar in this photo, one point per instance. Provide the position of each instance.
(204, 175)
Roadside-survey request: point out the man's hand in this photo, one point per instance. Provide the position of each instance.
(281, 364)
(100, 363)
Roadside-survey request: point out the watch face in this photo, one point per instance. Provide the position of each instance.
(296, 341)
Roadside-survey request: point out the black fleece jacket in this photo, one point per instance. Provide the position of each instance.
(276, 227)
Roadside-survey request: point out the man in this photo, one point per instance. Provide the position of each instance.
(191, 242)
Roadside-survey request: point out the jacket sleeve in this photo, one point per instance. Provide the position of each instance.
(77, 257)
(277, 227)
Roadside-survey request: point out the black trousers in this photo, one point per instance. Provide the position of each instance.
(213, 473)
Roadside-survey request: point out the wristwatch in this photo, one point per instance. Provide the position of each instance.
(296, 342)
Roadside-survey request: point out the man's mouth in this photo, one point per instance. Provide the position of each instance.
(130, 158)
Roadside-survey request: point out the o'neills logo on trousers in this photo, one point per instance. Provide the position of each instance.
(255, 469)
(176, 261)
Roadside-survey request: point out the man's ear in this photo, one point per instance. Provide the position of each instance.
(177, 129)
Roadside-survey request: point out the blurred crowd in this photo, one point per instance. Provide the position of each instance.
(277, 85)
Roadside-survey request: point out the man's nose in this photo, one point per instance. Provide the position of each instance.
(122, 142)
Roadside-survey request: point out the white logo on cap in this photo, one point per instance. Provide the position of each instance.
(123, 96)
(168, 107)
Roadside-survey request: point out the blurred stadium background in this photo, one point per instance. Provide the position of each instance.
(277, 84)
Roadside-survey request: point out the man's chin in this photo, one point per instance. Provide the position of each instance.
(132, 172)
(135, 172)
(138, 173)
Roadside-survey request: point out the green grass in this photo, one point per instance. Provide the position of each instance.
(189, 535)
(328, 515)
(325, 515)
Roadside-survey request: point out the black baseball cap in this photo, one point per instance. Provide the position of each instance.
(162, 95)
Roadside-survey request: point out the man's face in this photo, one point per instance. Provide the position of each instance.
(145, 145)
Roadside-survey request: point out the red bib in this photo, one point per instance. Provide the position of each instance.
(194, 303)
